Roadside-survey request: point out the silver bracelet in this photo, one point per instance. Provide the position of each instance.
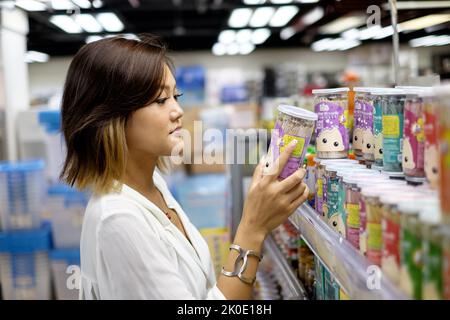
(243, 255)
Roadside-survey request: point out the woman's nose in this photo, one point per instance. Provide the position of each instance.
(176, 112)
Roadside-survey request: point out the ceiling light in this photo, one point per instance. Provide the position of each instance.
(31, 5)
(411, 5)
(254, 2)
(62, 5)
(227, 36)
(35, 56)
(84, 4)
(308, 1)
(110, 22)
(321, 45)
(352, 34)
(384, 32)
(281, 1)
(66, 23)
(239, 18)
(97, 4)
(246, 48)
(259, 36)
(233, 49)
(430, 41)
(93, 39)
(348, 44)
(283, 15)
(286, 33)
(341, 24)
(244, 36)
(219, 49)
(369, 33)
(261, 17)
(425, 21)
(313, 16)
(88, 23)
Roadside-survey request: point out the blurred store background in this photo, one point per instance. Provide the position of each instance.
(236, 61)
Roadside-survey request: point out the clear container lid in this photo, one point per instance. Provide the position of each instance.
(430, 214)
(364, 89)
(297, 112)
(442, 90)
(321, 92)
(387, 92)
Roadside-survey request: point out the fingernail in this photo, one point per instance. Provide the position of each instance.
(293, 143)
(302, 173)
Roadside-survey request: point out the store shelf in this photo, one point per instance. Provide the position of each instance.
(290, 284)
(353, 272)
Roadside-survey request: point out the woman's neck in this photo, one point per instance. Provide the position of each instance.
(139, 173)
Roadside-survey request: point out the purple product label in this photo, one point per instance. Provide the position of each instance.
(414, 138)
(353, 236)
(357, 134)
(331, 133)
(366, 127)
(279, 141)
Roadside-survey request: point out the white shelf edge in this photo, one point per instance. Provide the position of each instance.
(342, 260)
(291, 283)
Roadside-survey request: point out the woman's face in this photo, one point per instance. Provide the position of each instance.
(155, 129)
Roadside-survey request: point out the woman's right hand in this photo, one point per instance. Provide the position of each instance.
(270, 201)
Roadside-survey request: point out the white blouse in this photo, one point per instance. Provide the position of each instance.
(130, 250)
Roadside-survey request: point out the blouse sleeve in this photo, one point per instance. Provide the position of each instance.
(135, 264)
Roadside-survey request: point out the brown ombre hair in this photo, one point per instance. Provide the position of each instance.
(107, 81)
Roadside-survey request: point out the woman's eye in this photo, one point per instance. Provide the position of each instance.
(177, 96)
(161, 100)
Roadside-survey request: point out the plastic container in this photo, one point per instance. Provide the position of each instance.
(360, 94)
(377, 96)
(432, 288)
(24, 264)
(443, 96)
(332, 134)
(431, 159)
(21, 194)
(446, 261)
(292, 123)
(55, 147)
(310, 178)
(66, 207)
(363, 139)
(414, 136)
(393, 104)
(64, 265)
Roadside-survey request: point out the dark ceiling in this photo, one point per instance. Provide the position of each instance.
(195, 24)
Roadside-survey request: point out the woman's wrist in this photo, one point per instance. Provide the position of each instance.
(249, 238)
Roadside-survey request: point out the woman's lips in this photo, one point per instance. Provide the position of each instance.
(176, 131)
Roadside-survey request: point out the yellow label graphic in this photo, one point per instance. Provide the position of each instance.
(374, 240)
(391, 126)
(353, 215)
(298, 148)
(320, 188)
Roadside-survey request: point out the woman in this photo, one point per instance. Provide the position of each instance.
(120, 118)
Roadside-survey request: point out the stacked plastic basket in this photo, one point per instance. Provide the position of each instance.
(24, 241)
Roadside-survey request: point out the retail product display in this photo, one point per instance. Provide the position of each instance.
(393, 104)
(66, 208)
(363, 138)
(431, 153)
(443, 95)
(21, 194)
(292, 124)
(24, 264)
(332, 130)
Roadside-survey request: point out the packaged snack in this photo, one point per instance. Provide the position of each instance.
(292, 123)
(332, 136)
